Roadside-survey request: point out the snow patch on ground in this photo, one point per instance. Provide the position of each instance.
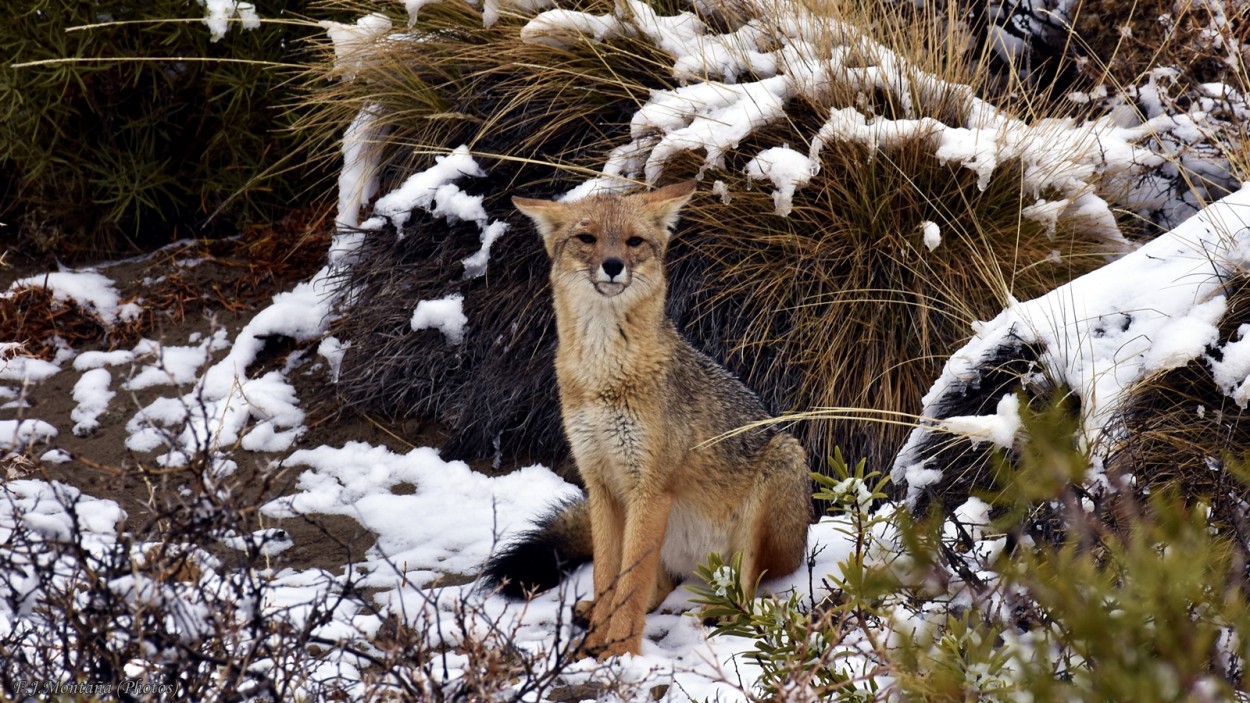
(465, 515)
(93, 292)
(92, 394)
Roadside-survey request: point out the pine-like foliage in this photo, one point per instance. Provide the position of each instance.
(137, 128)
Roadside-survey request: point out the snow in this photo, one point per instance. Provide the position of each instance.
(332, 350)
(434, 191)
(25, 369)
(92, 291)
(173, 365)
(98, 359)
(1156, 308)
(999, 428)
(358, 180)
(92, 395)
(931, 234)
(16, 434)
(1231, 371)
(445, 314)
(787, 169)
(220, 13)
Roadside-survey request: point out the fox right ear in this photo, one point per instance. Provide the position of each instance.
(548, 215)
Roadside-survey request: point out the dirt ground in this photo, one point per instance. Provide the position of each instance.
(188, 292)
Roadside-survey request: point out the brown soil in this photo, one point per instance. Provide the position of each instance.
(220, 288)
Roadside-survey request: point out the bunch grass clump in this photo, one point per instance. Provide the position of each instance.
(1182, 430)
(839, 304)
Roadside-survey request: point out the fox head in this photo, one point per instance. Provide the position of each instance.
(608, 243)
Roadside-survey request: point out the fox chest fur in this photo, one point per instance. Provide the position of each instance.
(611, 393)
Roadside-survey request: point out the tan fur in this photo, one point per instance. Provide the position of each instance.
(637, 402)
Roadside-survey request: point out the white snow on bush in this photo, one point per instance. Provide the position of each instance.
(1154, 309)
(492, 8)
(332, 350)
(446, 315)
(354, 43)
(787, 169)
(999, 428)
(358, 179)
(792, 56)
(434, 191)
(220, 13)
(92, 395)
(93, 292)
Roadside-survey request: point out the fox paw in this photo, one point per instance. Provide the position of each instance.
(582, 610)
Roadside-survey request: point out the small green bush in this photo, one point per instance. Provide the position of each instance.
(1133, 598)
(142, 129)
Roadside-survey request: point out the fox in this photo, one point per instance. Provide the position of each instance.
(646, 416)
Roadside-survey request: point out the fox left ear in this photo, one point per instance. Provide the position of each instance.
(548, 215)
(664, 204)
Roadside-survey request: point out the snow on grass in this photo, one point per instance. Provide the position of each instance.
(93, 292)
(446, 315)
(789, 56)
(931, 234)
(1000, 428)
(433, 190)
(1156, 308)
(787, 169)
(220, 14)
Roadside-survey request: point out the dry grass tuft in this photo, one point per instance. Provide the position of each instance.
(1183, 432)
(32, 318)
(842, 304)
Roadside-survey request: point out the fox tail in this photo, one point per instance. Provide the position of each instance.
(541, 557)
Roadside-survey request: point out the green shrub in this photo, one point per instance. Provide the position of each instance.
(142, 129)
(1133, 598)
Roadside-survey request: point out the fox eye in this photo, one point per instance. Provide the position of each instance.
(634, 241)
(586, 238)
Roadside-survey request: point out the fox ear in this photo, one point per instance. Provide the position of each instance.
(548, 215)
(665, 203)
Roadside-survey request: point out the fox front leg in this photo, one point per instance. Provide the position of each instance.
(646, 521)
(607, 532)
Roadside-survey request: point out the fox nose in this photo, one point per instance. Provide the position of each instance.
(613, 267)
